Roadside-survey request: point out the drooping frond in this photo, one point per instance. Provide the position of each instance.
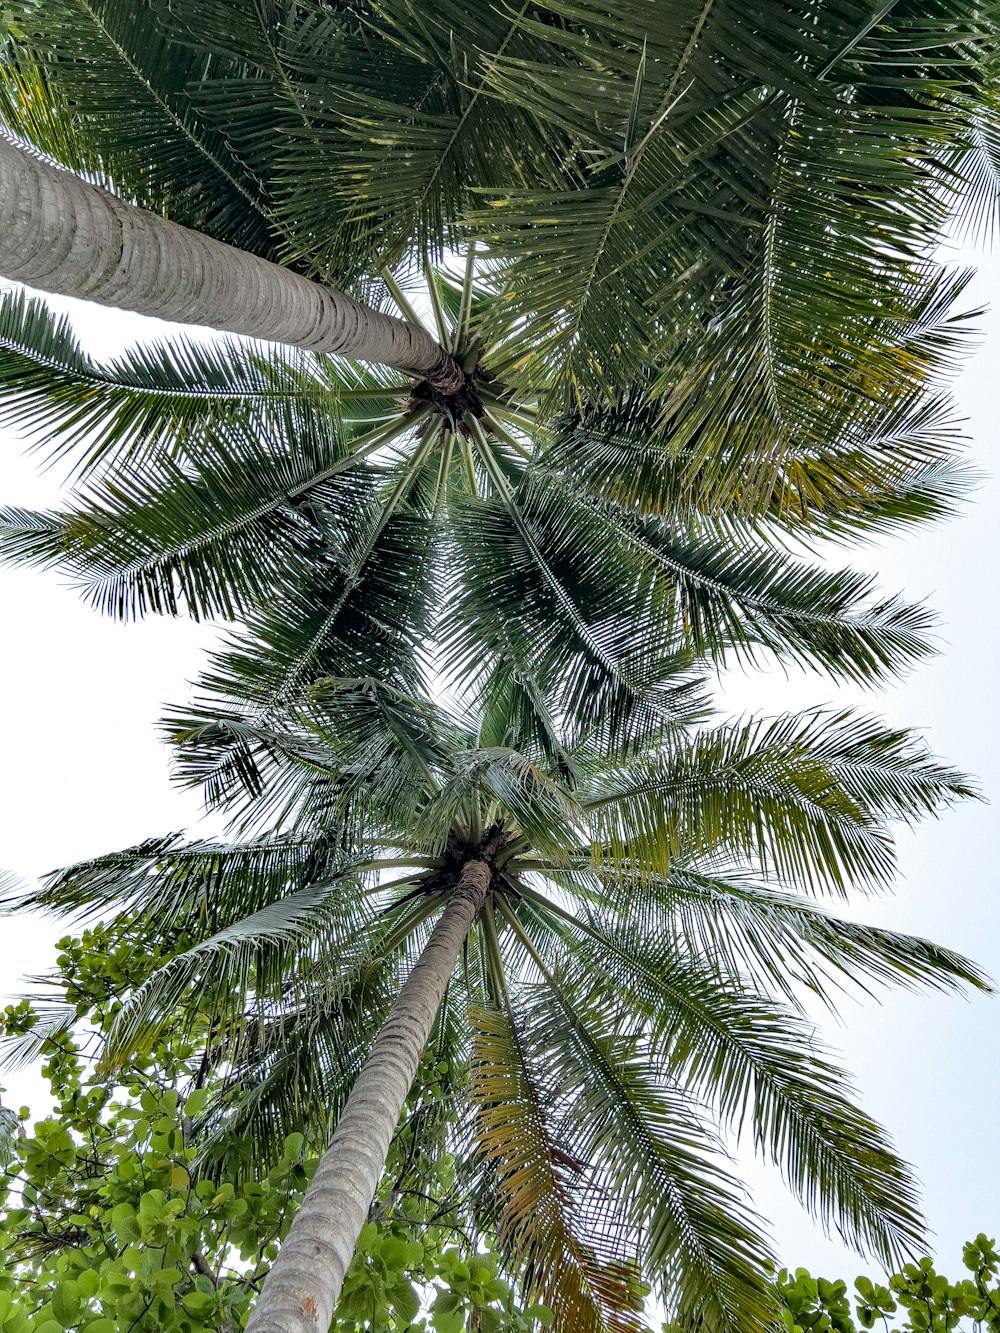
(733, 595)
(176, 885)
(723, 589)
(10, 1131)
(764, 1068)
(261, 773)
(263, 954)
(242, 520)
(781, 942)
(356, 617)
(874, 411)
(357, 747)
(560, 1230)
(53, 1020)
(784, 941)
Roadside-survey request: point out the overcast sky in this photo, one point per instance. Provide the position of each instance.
(83, 773)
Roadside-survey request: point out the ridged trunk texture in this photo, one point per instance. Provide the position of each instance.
(303, 1286)
(59, 234)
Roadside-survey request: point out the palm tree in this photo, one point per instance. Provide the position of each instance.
(345, 538)
(648, 414)
(651, 184)
(616, 977)
(685, 342)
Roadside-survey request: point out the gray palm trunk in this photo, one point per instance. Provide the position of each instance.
(303, 1287)
(62, 235)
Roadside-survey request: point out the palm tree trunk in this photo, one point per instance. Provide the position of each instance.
(59, 234)
(303, 1286)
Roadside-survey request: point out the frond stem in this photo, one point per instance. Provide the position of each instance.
(444, 334)
(494, 957)
(444, 467)
(465, 305)
(400, 297)
(364, 445)
(522, 450)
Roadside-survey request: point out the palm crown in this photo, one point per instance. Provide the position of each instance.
(354, 538)
(627, 972)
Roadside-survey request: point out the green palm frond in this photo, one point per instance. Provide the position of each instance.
(355, 620)
(536, 589)
(780, 942)
(359, 749)
(872, 387)
(100, 85)
(705, 448)
(979, 203)
(152, 399)
(732, 598)
(216, 540)
(785, 941)
(502, 783)
(11, 1130)
(395, 131)
(808, 797)
(264, 950)
(53, 1019)
(761, 1063)
(261, 774)
(721, 589)
(726, 189)
(177, 886)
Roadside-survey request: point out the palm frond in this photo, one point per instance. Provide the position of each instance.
(263, 955)
(761, 1063)
(356, 619)
(784, 941)
(152, 399)
(779, 942)
(499, 782)
(723, 210)
(10, 1131)
(723, 590)
(394, 132)
(52, 1020)
(174, 886)
(264, 774)
(706, 449)
(560, 1232)
(808, 797)
(536, 591)
(248, 520)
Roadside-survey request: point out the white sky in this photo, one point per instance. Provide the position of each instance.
(83, 773)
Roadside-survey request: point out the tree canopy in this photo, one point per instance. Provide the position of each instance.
(678, 261)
